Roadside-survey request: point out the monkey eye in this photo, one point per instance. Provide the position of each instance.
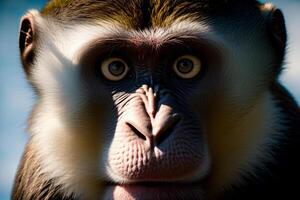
(187, 66)
(114, 69)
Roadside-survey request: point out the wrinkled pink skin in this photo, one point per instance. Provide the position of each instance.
(139, 154)
(133, 192)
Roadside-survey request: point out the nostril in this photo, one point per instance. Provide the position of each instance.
(136, 131)
(167, 128)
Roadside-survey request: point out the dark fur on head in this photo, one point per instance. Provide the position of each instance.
(137, 14)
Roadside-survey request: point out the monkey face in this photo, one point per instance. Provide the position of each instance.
(152, 125)
(148, 104)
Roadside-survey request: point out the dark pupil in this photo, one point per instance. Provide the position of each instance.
(185, 65)
(116, 68)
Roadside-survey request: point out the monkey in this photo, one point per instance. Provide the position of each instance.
(151, 99)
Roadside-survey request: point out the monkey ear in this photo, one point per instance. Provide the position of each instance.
(275, 26)
(27, 39)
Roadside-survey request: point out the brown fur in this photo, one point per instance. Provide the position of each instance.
(30, 181)
(136, 14)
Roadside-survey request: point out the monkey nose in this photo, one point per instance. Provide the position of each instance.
(164, 123)
(139, 124)
(142, 132)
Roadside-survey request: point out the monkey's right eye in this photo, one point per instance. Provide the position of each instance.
(114, 69)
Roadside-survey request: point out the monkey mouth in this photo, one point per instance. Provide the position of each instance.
(159, 186)
(153, 190)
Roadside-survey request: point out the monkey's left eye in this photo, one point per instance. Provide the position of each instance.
(187, 66)
(114, 69)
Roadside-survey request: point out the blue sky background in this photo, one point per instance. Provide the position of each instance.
(16, 97)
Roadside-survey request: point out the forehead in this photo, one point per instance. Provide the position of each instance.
(139, 14)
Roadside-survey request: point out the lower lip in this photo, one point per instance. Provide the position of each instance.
(153, 192)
